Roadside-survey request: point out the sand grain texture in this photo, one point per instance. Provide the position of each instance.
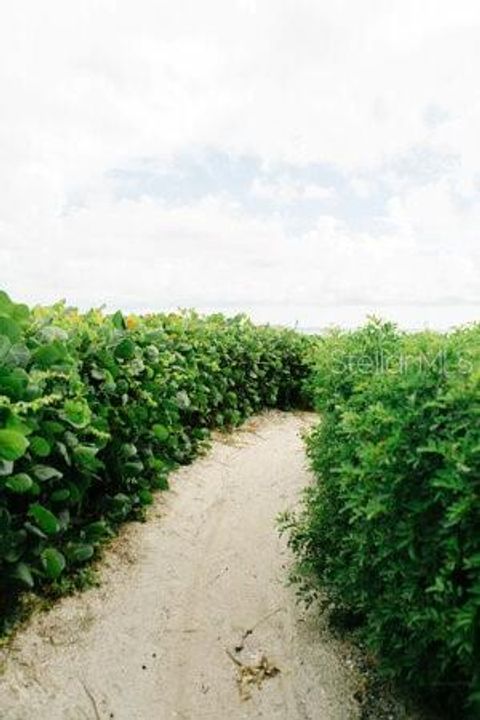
(206, 574)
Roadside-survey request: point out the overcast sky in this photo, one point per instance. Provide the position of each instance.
(299, 159)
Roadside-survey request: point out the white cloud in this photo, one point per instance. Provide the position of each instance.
(283, 190)
(90, 87)
(211, 253)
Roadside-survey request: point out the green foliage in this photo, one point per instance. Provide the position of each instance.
(12, 445)
(53, 562)
(391, 527)
(96, 410)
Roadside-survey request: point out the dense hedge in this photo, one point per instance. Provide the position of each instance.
(95, 411)
(391, 528)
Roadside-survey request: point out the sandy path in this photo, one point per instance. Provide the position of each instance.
(208, 566)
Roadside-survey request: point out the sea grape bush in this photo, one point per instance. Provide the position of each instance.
(95, 411)
(390, 529)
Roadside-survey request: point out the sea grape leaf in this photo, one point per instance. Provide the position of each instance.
(45, 472)
(20, 312)
(80, 552)
(18, 355)
(10, 329)
(62, 449)
(13, 382)
(34, 530)
(5, 346)
(125, 349)
(19, 425)
(21, 572)
(46, 520)
(60, 495)
(6, 304)
(6, 468)
(50, 355)
(53, 562)
(12, 445)
(20, 483)
(50, 333)
(182, 400)
(133, 468)
(129, 450)
(160, 432)
(77, 413)
(85, 456)
(96, 531)
(118, 320)
(40, 446)
(145, 496)
(15, 546)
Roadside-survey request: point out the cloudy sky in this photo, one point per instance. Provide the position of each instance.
(302, 160)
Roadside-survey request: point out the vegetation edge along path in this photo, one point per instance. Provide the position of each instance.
(203, 580)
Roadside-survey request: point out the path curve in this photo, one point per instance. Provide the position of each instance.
(205, 575)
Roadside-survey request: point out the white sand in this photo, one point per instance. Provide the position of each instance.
(180, 590)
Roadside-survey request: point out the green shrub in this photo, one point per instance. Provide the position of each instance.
(96, 410)
(391, 526)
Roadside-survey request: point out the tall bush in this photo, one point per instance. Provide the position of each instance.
(95, 411)
(391, 526)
